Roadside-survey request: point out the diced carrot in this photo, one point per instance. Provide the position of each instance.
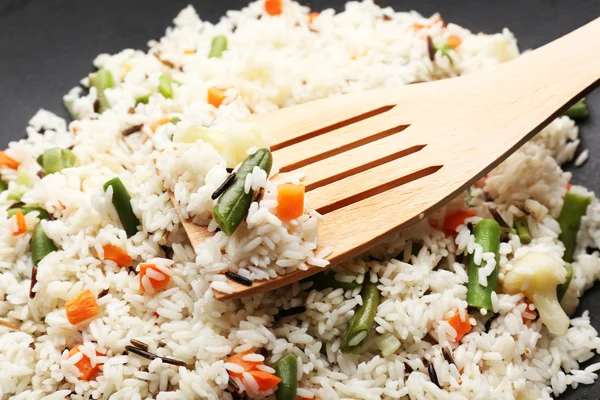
(215, 96)
(86, 371)
(75, 129)
(461, 327)
(158, 123)
(274, 7)
(454, 41)
(239, 360)
(9, 162)
(82, 307)
(62, 206)
(455, 219)
(312, 16)
(116, 254)
(480, 183)
(529, 314)
(21, 223)
(569, 186)
(189, 51)
(265, 380)
(290, 201)
(157, 284)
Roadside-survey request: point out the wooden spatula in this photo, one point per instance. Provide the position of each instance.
(381, 160)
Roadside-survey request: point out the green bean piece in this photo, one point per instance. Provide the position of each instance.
(102, 80)
(175, 120)
(561, 289)
(388, 343)
(41, 244)
(445, 50)
(122, 202)
(361, 323)
(56, 159)
(26, 209)
(578, 110)
(487, 235)
(218, 46)
(3, 186)
(326, 279)
(70, 110)
(573, 209)
(144, 99)
(24, 177)
(165, 87)
(522, 228)
(287, 370)
(17, 192)
(232, 207)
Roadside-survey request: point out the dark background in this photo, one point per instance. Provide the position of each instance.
(47, 46)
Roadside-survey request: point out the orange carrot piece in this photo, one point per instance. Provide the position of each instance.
(82, 307)
(9, 162)
(215, 96)
(158, 123)
(265, 380)
(156, 284)
(21, 223)
(116, 254)
(290, 201)
(312, 16)
(455, 219)
(569, 186)
(481, 183)
(454, 41)
(86, 371)
(461, 327)
(274, 7)
(247, 365)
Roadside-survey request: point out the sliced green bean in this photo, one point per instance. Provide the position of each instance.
(3, 186)
(487, 235)
(573, 209)
(561, 289)
(56, 159)
(232, 206)
(70, 109)
(361, 323)
(122, 202)
(102, 80)
(218, 46)
(24, 177)
(326, 279)
(578, 110)
(175, 120)
(17, 192)
(165, 87)
(41, 244)
(144, 99)
(26, 209)
(388, 343)
(287, 370)
(445, 49)
(522, 227)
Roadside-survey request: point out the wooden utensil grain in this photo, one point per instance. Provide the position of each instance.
(381, 160)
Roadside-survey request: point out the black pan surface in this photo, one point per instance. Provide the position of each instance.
(46, 46)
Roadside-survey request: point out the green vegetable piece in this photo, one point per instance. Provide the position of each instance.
(24, 178)
(26, 209)
(17, 192)
(233, 205)
(487, 235)
(561, 289)
(388, 343)
(445, 49)
(175, 120)
(522, 228)
(326, 279)
(3, 186)
(142, 99)
(56, 159)
(218, 46)
(573, 209)
(102, 80)
(361, 323)
(287, 370)
(165, 87)
(122, 202)
(70, 110)
(578, 110)
(41, 244)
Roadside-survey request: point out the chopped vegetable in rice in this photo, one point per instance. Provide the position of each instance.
(101, 293)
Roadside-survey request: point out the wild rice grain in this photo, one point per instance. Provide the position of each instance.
(152, 356)
(289, 312)
(226, 183)
(33, 281)
(239, 279)
(9, 325)
(433, 374)
(103, 293)
(447, 355)
(132, 130)
(139, 344)
(430, 48)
